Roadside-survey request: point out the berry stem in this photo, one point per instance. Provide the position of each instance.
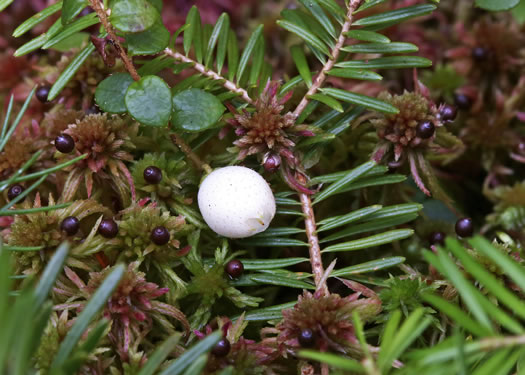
(321, 77)
(313, 241)
(211, 74)
(99, 9)
(186, 149)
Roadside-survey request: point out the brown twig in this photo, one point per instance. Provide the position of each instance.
(186, 149)
(211, 74)
(313, 241)
(321, 77)
(101, 13)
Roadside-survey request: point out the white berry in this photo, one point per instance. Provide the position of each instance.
(236, 202)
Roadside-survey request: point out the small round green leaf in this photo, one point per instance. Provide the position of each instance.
(149, 101)
(149, 42)
(196, 110)
(111, 92)
(497, 5)
(133, 16)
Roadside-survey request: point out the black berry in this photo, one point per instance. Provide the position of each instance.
(108, 228)
(42, 92)
(93, 110)
(437, 238)
(448, 113)
(479, 53)
(272, 163)
(86, 11)
(307, 338)
(234, 268)
(425, 129)
(464, 227)
(14, 191)
(152, 175)
(222, 348)
(70, 225)
(160, 236)
(64, 143)
(462, 101)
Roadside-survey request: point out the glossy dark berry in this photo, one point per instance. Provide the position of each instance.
(42, 92)
(70, 225)
(437, 238)
(464, 227)
(108, 228)
(64, 143)
(93, 110)
(234, 268)
(152, 175)
(85, 12)
(222, 348)
(14, 191)
(448, 113)
(307, 338)
(272, 163)
(425, 129)
(462, 101)
(480, 53)
(160, 236)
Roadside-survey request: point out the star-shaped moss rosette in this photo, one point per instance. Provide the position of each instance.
(171, 187)
(271, 135)
(22, 145)
(328, 318)
(107, 140)
(509, 208)
(415, 134)
(210, 282)
(133, 309)
(134, 240)
(239, 353)
(489, 52)
(44, 229)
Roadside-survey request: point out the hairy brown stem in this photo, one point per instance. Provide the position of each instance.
(313, 241)
(321, 77)
(186, 149)
(211, 74)
(101, 13)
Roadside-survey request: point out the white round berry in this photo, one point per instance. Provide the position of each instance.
(236, 202)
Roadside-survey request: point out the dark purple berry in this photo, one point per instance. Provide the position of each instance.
(85, 11)
(152, 175)
(70, 225)
(272, 163)
(462, 101)
(307, 338)
(42, 92)
(234, 268)
(437, 238)
(222, 348)
(14, 191)
(108, 228)
(480, 53)
(160, 236)
(64, 143)
(93, 110)
(448, 113)
(464, 227)
(425, 129)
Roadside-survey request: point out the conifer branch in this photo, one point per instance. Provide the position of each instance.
(99, 9)
(313, 241)
(210, 74)
(321, 77)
